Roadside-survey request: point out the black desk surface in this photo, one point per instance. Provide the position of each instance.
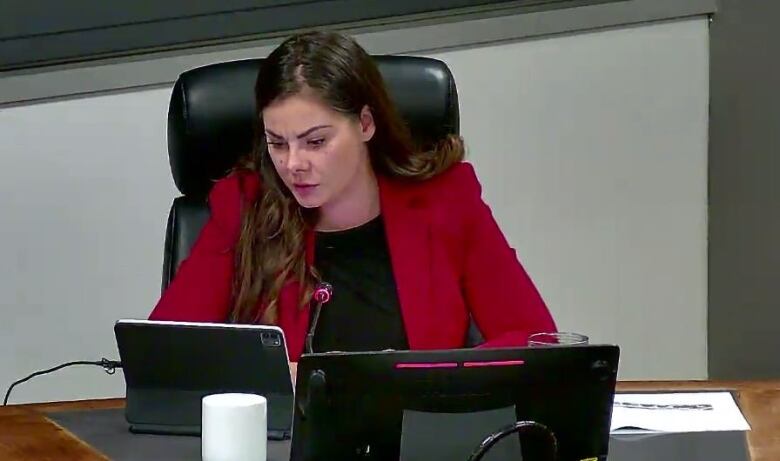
(106, 431)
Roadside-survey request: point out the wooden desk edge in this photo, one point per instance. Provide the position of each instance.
(51, 407)
(703, 385)
(26, 433)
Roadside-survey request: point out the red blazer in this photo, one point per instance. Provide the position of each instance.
(449, 259)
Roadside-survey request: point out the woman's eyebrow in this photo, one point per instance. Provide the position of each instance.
(302, 135)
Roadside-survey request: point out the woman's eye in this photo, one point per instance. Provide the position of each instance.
(316, 142)
(275, 144)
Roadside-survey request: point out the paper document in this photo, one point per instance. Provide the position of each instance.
(677, 412)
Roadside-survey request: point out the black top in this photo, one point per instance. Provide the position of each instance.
(363, 313)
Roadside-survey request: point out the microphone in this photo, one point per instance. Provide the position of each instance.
(322, 294)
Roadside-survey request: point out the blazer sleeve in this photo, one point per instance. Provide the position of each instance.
(503, 300)
(201, 290)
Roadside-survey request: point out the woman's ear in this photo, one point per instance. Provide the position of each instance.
(367, 126)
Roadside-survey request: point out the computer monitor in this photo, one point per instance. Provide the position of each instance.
(356, 405)
(170, 366)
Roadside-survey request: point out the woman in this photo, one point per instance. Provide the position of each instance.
(336, 191)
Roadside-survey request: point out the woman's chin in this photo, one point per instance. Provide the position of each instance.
(308, 202)
(308, 197)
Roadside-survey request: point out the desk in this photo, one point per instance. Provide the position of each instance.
(27, 434)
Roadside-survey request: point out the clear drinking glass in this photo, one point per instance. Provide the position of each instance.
(563, 338)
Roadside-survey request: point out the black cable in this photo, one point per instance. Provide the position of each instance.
(523, 428)
(109, 366)
(309, 342)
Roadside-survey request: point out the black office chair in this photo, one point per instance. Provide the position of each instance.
(211, 120)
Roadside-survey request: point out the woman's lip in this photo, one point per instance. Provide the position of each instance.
(304, 190)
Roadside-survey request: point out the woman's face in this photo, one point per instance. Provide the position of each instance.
(320, 154)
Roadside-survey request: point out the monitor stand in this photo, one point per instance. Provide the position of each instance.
(427, 436)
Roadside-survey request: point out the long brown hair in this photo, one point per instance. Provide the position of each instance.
(271, 246)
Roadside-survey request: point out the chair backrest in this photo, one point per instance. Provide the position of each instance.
(211, 120)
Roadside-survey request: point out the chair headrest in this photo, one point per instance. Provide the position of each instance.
(211, 115)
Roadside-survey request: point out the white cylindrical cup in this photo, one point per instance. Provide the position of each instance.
(234, 427)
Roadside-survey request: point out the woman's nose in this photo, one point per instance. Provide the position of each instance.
(296, 160)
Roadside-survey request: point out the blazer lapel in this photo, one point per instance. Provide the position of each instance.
(294, 320)
(408, 238)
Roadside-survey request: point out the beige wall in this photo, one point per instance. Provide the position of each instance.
(591, 149)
